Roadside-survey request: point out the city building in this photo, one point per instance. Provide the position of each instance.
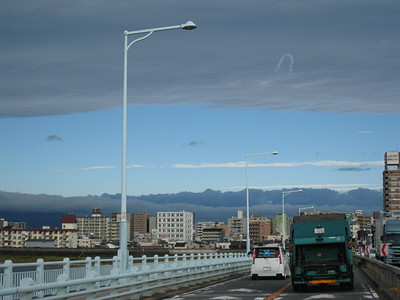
(200, 226)
(10, 224)
(391, 182)
(99, 229)
(260, 229)
(175, 226)
(21, 238)
(213, 235)
(143, 223)
(364, 222)
(238, 226)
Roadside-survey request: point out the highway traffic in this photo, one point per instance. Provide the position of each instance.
(244, 288)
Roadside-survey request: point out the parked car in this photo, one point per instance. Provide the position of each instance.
(269, 261)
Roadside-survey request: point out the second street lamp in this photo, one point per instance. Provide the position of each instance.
(283, 233)
(123, 248)
(248, 157)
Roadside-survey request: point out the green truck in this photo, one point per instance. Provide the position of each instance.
(320, 250)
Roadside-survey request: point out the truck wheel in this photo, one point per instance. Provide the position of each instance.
(296, 287)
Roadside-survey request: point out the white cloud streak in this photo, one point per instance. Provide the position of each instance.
(98, 167)
(242, 164)
(114, 167)
(323, 163)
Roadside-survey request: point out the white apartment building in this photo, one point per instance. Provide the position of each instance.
(175, 226)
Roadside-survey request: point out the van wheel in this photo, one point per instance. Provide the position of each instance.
(254, 277)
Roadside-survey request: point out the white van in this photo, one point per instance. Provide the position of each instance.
(269, 260)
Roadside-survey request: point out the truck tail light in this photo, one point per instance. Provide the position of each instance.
(349, 245)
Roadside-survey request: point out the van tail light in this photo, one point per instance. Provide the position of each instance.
(254, 256)
(280, 257)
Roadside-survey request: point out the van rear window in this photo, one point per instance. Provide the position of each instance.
(267, 253)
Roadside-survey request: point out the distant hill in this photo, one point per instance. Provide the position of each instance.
(210, 205)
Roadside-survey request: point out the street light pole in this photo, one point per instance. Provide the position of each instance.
(248, 157)
(123, 241)
(283, 233)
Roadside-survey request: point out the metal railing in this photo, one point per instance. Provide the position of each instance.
(101, 279)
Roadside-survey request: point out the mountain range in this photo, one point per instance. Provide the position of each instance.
(209, 205)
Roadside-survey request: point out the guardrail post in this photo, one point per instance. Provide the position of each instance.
(63, 290)
(97, 265)
(8, 277)
(40, 274)
(26, 282)
(130, 262)
(88, 265)
(91, 286)
(115, 262)
(115, 282)
(115, 267)
(67, 267)
(144, 262)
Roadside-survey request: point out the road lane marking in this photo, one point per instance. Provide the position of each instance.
(278, 292)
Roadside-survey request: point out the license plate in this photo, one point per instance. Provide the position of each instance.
(267, 268)
(319, 230)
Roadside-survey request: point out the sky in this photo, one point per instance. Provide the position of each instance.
(316, 81)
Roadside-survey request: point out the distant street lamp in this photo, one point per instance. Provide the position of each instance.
(283, 214)
(123, 241)
(248, 157)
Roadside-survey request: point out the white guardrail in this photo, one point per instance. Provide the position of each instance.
(101, 279)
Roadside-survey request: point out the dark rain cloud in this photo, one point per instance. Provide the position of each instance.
(351, 169)
(74, 62)
(194, 143)
(53, 138)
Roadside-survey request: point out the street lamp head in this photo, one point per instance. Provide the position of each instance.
(189, 25)
(275, 153)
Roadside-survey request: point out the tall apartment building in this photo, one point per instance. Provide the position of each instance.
(364, 222)
(260, 228)
(143, 223)
(98, 228)
(175, 226)
(391, 182)
(238, 226)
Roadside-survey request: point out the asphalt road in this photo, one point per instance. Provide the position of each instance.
(268, 289)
